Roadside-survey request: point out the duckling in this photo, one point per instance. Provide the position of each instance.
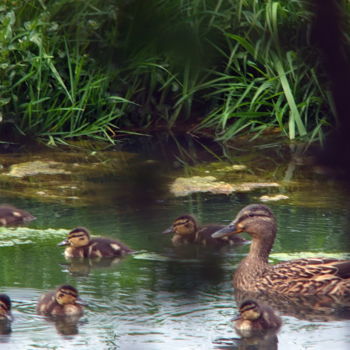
(186, 230)
(315, 276)
(10, 215)
(5, 308)
(81, 245)
(255, 317)
(64, 301)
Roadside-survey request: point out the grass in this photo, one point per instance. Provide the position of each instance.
(101, 69)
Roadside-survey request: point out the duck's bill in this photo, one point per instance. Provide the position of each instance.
(65, 242)
(225, 231)
(168, 230)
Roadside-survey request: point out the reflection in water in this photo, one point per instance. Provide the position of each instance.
(307, 307)
(5, 328)
(83, 266)
(66, 325)
(261, 341)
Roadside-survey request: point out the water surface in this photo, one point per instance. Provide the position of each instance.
(162, 297)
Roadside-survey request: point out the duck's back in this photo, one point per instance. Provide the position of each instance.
(46, 303)
(10, 215)
(308, 277)
(105, 247)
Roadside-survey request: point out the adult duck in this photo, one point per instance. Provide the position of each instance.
(314, 276)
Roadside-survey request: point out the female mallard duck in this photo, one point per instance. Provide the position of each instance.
(5, 308)
(255, 317)
(10, 215)
(303, 276)
(186, 230)
(64, 301)
(81, 245)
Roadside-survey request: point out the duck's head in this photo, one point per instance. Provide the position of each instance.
(5, 307)
(250, 310)
(255, 219)
(183, 225)
(67, 294)
(79, 237)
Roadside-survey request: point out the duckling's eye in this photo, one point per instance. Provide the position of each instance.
(81, 238)
(60, 295)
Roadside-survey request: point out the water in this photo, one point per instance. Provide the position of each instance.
(162, 297)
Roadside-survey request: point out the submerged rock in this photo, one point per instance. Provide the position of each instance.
(183, 186)
(276, 197)
(37, 167)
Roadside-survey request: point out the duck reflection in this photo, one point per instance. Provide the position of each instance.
(5, 316)
(66, 325)
(5, 328)
(263, 341)
(83, 267)
(305, 307)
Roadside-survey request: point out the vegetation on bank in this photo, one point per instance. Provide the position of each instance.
(103, 68)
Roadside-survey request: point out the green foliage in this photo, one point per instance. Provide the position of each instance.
(97, 68)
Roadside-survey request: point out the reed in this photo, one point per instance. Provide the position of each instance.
(101, 69)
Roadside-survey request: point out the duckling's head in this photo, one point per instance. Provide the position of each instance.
(250, 310)
(183, 225)
(255, 219)
(79, 237)
(5, 306)
(67, 294)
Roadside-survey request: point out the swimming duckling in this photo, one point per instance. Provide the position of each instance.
(315, 276)
(10, 215)
(186, 230)
(64, 301)
(81, 245)
(5, 308)
(254, 317)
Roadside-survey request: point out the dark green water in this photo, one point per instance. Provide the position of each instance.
(162, 297)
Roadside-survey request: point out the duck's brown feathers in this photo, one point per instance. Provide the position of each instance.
(303, 276)
(10, 215)
(48, 303)
(81, 245)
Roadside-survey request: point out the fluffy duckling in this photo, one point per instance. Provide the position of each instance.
(254, 317)
(64, 301)
(315, 276)
(5, 308)
(186, 230)
(81, 245)
(10, 215)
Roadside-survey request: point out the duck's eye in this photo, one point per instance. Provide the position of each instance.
(60, 295)
(81, 238)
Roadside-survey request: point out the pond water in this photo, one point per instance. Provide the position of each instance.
(161, 297)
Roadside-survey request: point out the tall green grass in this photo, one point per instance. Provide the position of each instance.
(98, 69)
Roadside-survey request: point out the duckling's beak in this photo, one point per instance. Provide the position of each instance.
(168, 230)
(65, 242)
(226, 231)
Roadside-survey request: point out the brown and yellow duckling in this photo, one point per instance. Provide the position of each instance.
(81, 245)
(64, 301)
(315, 276)
(255, 317)
(10, 215)
(186, 230)
(5, 308)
